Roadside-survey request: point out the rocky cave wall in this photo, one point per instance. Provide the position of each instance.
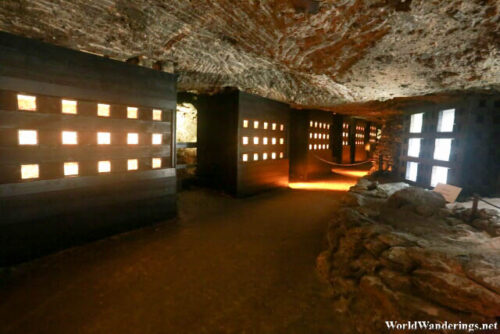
(309, 53)
(397, 253)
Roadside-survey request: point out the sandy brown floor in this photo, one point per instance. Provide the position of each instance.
(225, 266)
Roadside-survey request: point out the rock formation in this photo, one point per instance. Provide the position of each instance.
(397, 253)
(310, 53)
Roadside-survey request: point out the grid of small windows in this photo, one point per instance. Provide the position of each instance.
(373, 134)
(319, 136)
(345, 134)
(263, 135)
(70, 137)
(360, 135)
(441, 151)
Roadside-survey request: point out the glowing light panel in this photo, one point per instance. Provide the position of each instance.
(103, 138)
(26, 102)
(103, 110)
(70, 168)
(30, 172)
(28, 137)
(132, 112)
(69, 138)
(132, 164)
(68, 107)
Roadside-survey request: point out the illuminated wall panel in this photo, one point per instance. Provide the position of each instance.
(66, 118)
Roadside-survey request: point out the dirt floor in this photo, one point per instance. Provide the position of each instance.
(225, 266)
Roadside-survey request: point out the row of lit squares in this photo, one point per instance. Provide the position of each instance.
(345, 134)
(265, 156)
(30, 137)
(359, 142)
(318, 147)
(345, 143)
(320, 125)
(360, 128)
(439, 173)
(319, 135)
(28, 103)
(32, 171)
(265, 125)
(360, 135)
(265, 140)
(345, 125)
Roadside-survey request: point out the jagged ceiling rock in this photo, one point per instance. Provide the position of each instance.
(305, 52)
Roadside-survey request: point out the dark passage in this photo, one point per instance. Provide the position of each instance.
(230, 265)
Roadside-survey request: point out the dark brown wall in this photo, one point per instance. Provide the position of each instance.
(55, 211)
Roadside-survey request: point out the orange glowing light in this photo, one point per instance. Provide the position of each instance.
(323, 185)
(353, 173)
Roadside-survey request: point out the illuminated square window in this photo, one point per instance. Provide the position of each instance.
(315, 147)
(69, 138)
(328, 126)
(310, 135)
(104, 166)
(324, 135)
(327, 136)
(256, 157)
(439, 175)
(442, 149)
(27, 137)
(315, 136)
(416, 123)
(255, 124)
(446, 120)
(244, 157)
(29, 172)
(26, 102)
(265, 125)
(132, 138)
(132, 164)
(275, 126)
(273, 141)
(411, 171)
(311, 124)
(132, 112)
(244, 140)
(327, 146)
(264, 140)
(68, 107)
(256, 140)
(156, 163)
(414, 147)
(157, 139)
(157, 115)
(310, 146)
(103, 110)
(245, 123)
(70, 168)
(315, 124)
(264, 156)
(282, 127)
(103, 138)
(281, 155)
(273, 155)
(282, 141)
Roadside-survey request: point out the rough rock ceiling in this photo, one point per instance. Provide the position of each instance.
(306, 52)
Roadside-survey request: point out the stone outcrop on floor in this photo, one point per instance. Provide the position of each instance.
(397, 253)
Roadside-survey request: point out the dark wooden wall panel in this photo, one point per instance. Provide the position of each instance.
(51, 210)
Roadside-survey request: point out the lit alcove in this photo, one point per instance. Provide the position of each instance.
(69, 138)
(156, 163)
(132, 138)
(186, 132)
(26, 102)
(71, 168)
(132, 164)
(103, 138)
(28, 137)
(414, 147)
(446, 120)
(157, 139)
(157, 115)
(256, 157)
(439, 175)
(442, 149)
(104, 166)
(132, 112)
(411, 171)
(103, 110)
(69, 107)
(416, 123)
(30, 171)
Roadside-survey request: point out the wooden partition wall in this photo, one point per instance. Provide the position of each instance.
(243, 142)
(85, 147)
(311, 144)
